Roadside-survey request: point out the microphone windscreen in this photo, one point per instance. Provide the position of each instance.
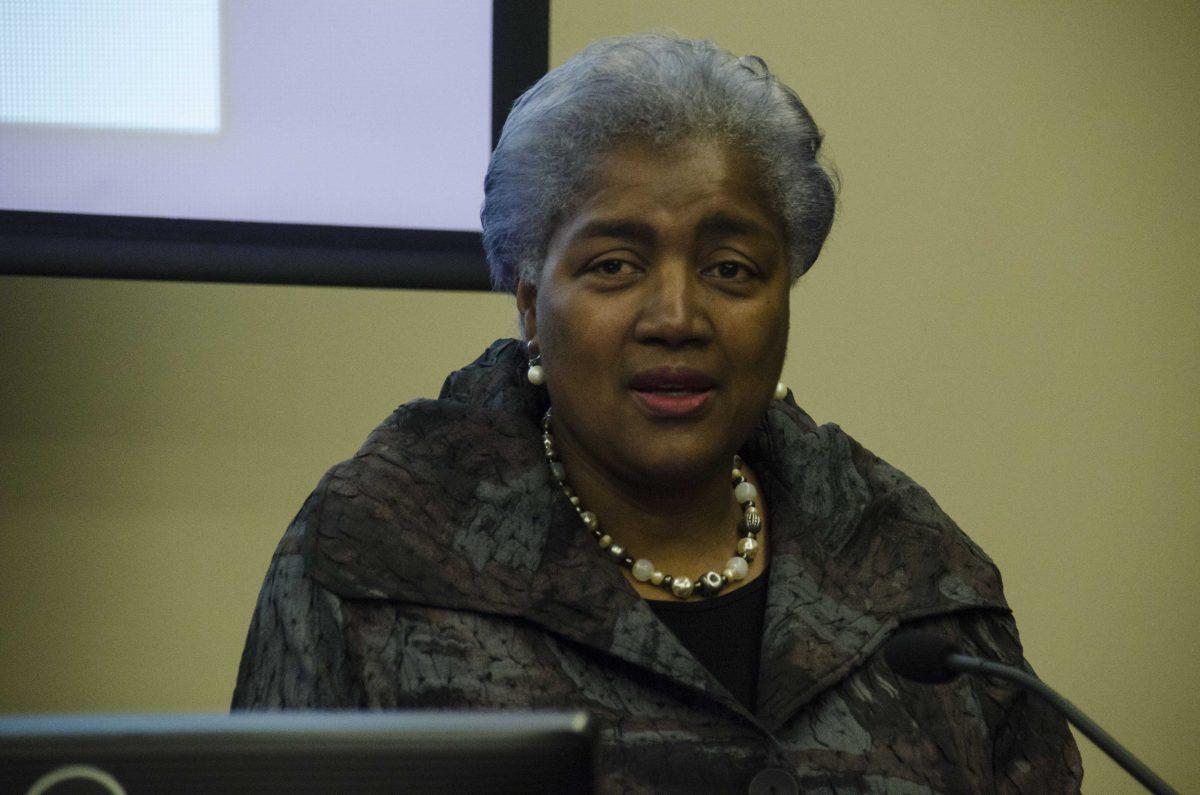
(920, 657)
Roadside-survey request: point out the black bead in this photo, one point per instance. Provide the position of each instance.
(712, 581)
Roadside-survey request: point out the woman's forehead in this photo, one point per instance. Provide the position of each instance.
(706, 184)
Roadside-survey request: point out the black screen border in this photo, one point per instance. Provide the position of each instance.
(181, 249)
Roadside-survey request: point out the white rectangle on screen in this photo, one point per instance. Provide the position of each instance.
(115, 64)
(363, 113)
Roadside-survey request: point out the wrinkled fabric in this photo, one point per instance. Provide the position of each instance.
(440, 568)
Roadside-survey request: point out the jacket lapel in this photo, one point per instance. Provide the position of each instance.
(582, 596)
(857, 548)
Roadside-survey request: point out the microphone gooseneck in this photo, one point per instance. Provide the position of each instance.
(931, 659)
(920, 657)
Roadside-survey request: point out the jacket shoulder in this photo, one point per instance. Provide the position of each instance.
(870, 525)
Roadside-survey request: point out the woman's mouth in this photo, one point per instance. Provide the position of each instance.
(669, 393)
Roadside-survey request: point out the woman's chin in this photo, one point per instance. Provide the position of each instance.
(680, 466)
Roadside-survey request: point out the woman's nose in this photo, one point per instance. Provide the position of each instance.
(673, 311)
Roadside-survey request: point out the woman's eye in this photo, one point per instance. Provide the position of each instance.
(731, 270)
(612, 267)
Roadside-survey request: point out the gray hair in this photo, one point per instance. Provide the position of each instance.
(660, 89)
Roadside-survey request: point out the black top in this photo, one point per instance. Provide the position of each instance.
(724, 633)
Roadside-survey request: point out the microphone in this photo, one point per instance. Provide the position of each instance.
(931, 659)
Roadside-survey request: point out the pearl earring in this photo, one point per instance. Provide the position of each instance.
(780, 391)
(536, 374)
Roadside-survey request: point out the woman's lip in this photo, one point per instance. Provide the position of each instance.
(672, 405)
(672, 379)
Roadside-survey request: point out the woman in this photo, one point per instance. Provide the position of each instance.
(626, 512)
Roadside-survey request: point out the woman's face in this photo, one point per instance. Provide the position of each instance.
(661, 314)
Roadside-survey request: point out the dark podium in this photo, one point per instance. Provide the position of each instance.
(298, 752)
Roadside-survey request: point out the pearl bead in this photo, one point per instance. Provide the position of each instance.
(606, 540)
(657, 578)
(574, 500)
(616, 550)
(736, 474)
(780, 391)
(747, 547)
(558, 471)
(682, 587)
(737, 569)
(643, 570)
(589, 520)
(536, 375)
(745, 492)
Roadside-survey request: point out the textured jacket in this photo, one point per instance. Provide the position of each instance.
(440, 568)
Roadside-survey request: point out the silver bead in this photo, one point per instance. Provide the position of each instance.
(751, 521)
(589, 520)
(682, 587)
(606, 540)
(616, 550)
(574, 500)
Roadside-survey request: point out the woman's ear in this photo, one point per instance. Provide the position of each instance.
(527, 310)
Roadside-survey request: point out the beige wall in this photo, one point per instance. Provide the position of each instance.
(1007, 309)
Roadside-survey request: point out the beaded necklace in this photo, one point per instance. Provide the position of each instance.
(708, 583)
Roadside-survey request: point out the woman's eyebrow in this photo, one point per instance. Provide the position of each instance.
(622, 229)
(725, 225)
(717, 224)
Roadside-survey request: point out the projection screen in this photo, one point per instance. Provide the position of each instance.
(279, 141)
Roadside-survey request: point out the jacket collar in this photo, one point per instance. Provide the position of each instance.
(449, 503)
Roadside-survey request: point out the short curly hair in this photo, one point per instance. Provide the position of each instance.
(659, 89)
